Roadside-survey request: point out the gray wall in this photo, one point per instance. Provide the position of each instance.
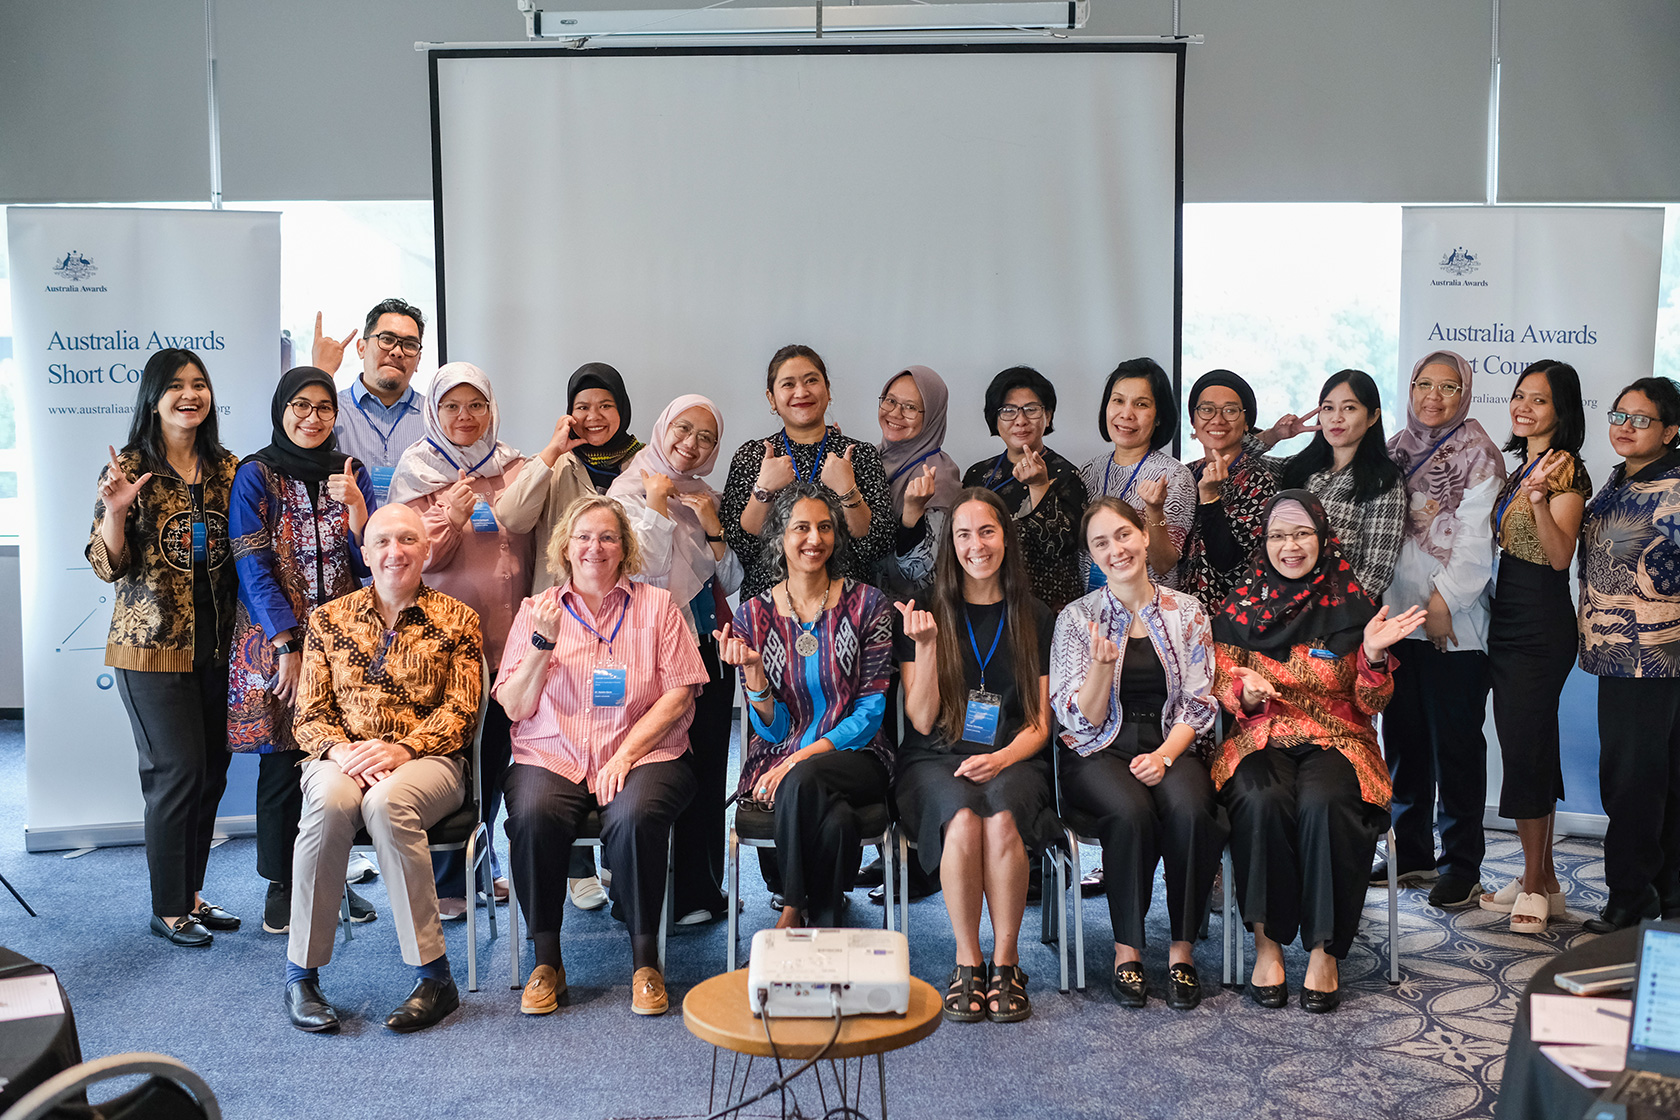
(1313, 100)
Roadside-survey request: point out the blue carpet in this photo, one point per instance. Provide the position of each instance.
(1432, 1047)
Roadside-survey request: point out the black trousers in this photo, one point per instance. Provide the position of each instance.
(818, 838)
(1302, 842)
(1432, 735)
(1639, 782)
(279, 805)
(1177, 821)
(701, 829)
(494, 753)
(180, 730)
(545, 812)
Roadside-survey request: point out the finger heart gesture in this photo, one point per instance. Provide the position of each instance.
(1103, 651)
(1153, 492)
(1031, 471)
(919, 626)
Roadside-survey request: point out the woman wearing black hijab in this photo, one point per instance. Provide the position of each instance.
(295, 516)
(1233, 487)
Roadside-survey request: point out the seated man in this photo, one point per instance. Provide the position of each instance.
(387, 705)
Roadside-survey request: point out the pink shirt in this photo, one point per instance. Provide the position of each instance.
(567, 734)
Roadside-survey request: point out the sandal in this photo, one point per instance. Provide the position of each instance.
(1007, 988)
(1529, 913)
(1501, 900)
(965, 994)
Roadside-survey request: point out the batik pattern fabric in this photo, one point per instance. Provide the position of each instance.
(1629, 564)
(1248, 486)
(1513, 516)
(1103, 477)
(1050, 530)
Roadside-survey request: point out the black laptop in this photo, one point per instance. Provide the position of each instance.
(1649, 1088)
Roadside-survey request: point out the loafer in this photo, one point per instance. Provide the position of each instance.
(277, 908)
(778, 903)
(545, 990)
(1616, 916)
(647, 992)
(360, 869)
(428, 1003)
(871, 875)
(1318, 1002)
(587, 894)
(1184, 987)
(1129, 987)
(185, 932)
(211, 916)
(452, 909)
(1269, 995)
(361, 910)
(1416, 877)
(1453, 891)
(308, 1008)
(879, 895)
(1094, 883)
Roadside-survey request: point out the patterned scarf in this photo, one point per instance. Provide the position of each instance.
(1441, 463)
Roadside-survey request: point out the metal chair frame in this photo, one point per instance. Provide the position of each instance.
(40, 1101)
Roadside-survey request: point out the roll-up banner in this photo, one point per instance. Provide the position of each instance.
(1506, 286)
(96, 291)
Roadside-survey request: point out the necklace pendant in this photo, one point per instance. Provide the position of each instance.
(806, 644)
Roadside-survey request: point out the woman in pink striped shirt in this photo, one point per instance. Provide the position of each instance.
(599, 678)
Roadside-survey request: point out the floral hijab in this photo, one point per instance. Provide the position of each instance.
(1441, 463)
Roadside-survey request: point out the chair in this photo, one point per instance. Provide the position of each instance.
(460, 829)
(589, 836)
(173, 1092)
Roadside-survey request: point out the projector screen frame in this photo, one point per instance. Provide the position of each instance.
(1178, 48)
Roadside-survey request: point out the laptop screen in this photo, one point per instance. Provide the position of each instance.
(1654, 1041)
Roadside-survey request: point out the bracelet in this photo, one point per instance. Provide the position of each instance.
(714, 540)
(757, 697)
(854, 492)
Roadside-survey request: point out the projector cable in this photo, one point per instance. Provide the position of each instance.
(783, 1082)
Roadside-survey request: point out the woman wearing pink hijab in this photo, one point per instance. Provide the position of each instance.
(923, 480)
(674, 514)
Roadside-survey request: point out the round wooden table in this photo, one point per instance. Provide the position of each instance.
(716, 1011)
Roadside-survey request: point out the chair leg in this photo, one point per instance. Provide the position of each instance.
(472, 914)
(733, 870)
(489, 879)
(889, 878)
(1393, 913)
(1078, 919)
(515, 980)
(903, 883)
(665, 915)
(1227, 917)
(1061, 882)
(344, 915)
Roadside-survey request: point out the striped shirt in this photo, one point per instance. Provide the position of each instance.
(1104, 477)
(568, 734)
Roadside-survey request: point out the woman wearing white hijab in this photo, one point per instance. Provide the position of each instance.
(674, 514)
(452, 477)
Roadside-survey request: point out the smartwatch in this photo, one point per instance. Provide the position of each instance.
(540, 642)
(293, 646)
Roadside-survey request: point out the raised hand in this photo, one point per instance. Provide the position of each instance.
(775, 471)
(1103, 651)
(458, 502)
(1031, 471)
(918, 492)
(115, 490)
(734, 650)
(1288, 426)
(565, 438)
(837, 473)
(705, 508)
(545, 615)
(1214, 472)
(1543, 470)
(342, 487)
(659, 488)
(919, 626)
(1383, 631)
(1153, 493)
(1254, 688)
(327, 353)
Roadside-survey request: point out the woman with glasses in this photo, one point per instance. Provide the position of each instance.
(1531, 628)
(673, 513)
(1041, 490)
(1433, 726)
(811, 452)
(1232, 488)
(1630, 598)
(295, 519)
(815, 651)
(1139, 416)
(453, 479)
(922, 479)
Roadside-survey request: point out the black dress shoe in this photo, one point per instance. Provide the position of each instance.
(1319, 1002)
(778, 903)
(428, 1003)
(214, 917)
(1614, 916)
(1094, 883)
(879, 895)
(308, 1008)
(1269, 995)
(871, 875)
(1130, 988)
(185, 931)
(1184, 987)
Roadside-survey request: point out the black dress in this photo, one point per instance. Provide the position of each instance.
(927, 789)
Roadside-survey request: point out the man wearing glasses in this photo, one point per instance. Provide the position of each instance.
(379, 414)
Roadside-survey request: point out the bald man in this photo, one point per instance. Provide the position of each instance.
(387, 705)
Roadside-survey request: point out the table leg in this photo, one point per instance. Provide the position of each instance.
(881, 1069)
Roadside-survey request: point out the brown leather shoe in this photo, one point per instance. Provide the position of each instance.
(545, 990)
(647, 993)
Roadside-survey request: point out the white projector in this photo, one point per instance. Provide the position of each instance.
(796, 969)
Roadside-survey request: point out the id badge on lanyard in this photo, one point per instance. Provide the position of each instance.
(381, 478)
(980, 721)
(200, 550)
(483, 518)
(607, 686)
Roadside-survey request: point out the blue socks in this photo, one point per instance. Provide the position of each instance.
(434, 970)
(296, 972)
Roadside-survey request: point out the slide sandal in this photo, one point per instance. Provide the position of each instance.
(1529, 913)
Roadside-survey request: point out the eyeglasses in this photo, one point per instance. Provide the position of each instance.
(451, 409)
(1618, 418)
(1229, 411)
(903, 408)
(683, 430)
(388, 341)
(1009, 411)
(1448, 389)
(301, 408)
(1299, 536)
(608, 540)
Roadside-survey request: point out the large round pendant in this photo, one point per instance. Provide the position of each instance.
(806, 644)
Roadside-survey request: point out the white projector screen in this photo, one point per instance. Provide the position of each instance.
(680, 213)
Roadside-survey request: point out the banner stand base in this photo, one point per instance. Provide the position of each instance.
(119, 835)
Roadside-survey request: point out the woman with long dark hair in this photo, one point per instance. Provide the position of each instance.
(160, 534)
(1531, 638)
(973, 783)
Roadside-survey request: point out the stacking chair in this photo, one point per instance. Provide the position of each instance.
(172, 1090)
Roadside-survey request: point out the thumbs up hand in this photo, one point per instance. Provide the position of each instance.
(342, 488)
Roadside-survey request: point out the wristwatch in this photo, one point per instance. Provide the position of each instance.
(540, 642)
(760, 494)
(1166, 759)
(293, 646)
(714, 540)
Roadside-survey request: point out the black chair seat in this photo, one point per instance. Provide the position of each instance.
(453, 829)
(756, 824)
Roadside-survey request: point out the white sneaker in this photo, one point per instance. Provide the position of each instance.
(586, 894)
(360, 869)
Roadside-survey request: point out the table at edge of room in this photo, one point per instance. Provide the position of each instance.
(716, 1011)
(33, 1049)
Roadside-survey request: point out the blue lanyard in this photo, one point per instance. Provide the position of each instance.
(384, 437)
(910, 466)
(1428, 454)
(975, 646)
(474, 468)
(1499, 514)
(598, 635)
(991, 474)
(822, 449)
(1108, 476)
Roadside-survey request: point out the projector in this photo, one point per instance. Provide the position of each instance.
(797, 968)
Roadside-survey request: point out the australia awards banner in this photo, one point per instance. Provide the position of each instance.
(95, 292)
(1507, 286)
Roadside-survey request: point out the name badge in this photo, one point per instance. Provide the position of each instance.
(483, 518)
(1322, 654)
(199, 552)
(608, 690)
(381, 478)
(980, 722)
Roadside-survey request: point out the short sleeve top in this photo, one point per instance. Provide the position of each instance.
(999, 678)
(1513, 517)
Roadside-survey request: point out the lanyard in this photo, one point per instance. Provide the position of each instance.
(1108, 476)
(384, 437)
(1003, 617)
(1516, 488)
(1428, 454)
(822, 449)
(912, 465)
(991, 474)
(598, 635)
(472, 470)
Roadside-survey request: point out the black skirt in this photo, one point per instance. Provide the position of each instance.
(1531, 648)
(929, 793)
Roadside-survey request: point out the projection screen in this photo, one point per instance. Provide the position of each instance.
(680, 213)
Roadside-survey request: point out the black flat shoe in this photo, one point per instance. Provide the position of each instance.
(778, 903)
(1184, 987)
(1269, 995)
(1094, 883)
(308, 1008)
(871, 875)
(214, 917)
(1130, 988)
(1614, 917)
(1318, 1002)
(185, 932)
(428, 1003)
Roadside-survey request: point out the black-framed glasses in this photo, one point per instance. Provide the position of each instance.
(1009, 411)
(1618, 418)
(301, 408)
(1229, 411)
(903, 408)
(388, 341)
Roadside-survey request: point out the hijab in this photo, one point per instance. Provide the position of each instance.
(692, 563)
(1270, 613)
(903, 459)
(282, 455)
(1231, 381)
(433, 462)
(606, 462)
(1441, 463)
